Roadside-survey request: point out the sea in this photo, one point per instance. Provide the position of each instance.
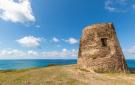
(35, 63)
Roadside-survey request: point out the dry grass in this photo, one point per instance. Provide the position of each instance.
(63, 75)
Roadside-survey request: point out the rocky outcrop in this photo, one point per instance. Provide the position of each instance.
(100, 50)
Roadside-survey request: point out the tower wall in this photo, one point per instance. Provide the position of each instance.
(100, 49)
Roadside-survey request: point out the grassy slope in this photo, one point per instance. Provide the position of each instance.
(63, 75)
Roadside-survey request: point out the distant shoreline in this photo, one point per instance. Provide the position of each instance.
(25, 69)
(131, 70)
(131, 66)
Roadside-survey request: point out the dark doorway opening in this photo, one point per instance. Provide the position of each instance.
(104, 42)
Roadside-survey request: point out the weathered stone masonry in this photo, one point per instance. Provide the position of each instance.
(100, 49)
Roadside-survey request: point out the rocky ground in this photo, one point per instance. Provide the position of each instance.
(63, 75)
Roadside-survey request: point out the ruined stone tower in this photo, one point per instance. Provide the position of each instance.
(100, 49)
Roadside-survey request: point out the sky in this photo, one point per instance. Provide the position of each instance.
(51, 29)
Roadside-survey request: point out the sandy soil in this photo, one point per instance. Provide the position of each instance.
(63, 75)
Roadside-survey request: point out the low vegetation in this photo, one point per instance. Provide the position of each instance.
(63, 75)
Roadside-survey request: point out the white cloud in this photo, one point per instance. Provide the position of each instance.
(18, 54)
(116, 5)
(56, 40)
(64, 50)
(131, 50)
(74, 52)
(72, 41)
(13, 52)
(63, 53)
(32, 53)
(17, 11)
(29, 41)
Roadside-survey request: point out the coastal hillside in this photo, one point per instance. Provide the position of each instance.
(63, 75)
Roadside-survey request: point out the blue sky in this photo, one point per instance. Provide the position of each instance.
(52, 28)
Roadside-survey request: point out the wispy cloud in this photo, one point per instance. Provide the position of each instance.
(56, 40)
(35, 54)
(29, 41)
(116, 5)
(71, 41)
(16, 11)
(131, 50)
(133, 6)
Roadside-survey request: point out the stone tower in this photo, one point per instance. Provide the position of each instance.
(100, 50)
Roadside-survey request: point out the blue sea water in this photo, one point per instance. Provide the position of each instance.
(130, 63)
(24, 64)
